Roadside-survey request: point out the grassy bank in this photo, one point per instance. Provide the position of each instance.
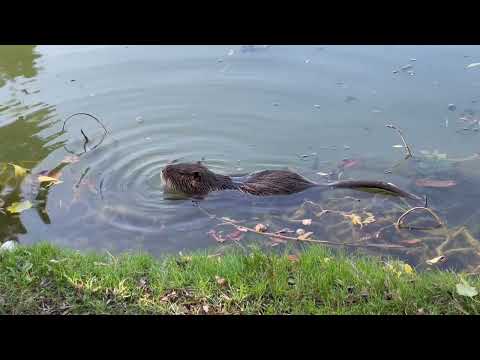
(44, 279)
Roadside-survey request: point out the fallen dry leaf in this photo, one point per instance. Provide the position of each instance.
(300, 232)
(305, 236)
(70, 159)
(348, 163)
(260, 228)
(19, 171)
(293, 258)
(48, 179)
(435, 183)
(18, 207)
(437, 260)
(465, 289)
(220, 281)
(307, 222)
(357, 220)
(411, 242)
(205, 308)
(354, 218)
(237, 235)
(216, 236)
(407, 269)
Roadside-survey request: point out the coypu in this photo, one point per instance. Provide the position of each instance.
(195, 179)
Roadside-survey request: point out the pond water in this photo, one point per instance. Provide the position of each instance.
(314, 109)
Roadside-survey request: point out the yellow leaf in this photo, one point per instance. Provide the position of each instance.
(369, 219)
(407, 269)
(19, 171)
(357, 220)
(53, 180)
(437, 260)
(305, 236)
(260, 228)
(354, 218)
(18, 207)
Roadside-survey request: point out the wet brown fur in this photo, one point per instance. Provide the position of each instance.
(197, 180)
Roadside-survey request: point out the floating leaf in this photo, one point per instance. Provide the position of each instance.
(437, 260)
(19, 171)
(260, 228)
(71, 159)
(435, 183)
(216, 236)
(348, 163)
(411, 242)
(473, 65)
(465, 289)
(305, 236)
(354, 218)
(307, 222)
(369, 219)
(236, 235)
(18, 207)
(48, 179)
(300, 232)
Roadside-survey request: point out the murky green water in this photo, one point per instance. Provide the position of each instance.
(240, 109)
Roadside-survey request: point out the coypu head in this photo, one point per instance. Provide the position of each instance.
(193, 179)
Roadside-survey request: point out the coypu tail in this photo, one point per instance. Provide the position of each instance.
(372, 184)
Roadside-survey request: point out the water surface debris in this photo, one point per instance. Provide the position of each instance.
(473, 65)
(435, 183)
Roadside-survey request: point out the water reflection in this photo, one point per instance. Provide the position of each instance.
(17, 61)
(22, 141)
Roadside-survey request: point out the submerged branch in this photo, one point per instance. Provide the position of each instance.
(409, 153)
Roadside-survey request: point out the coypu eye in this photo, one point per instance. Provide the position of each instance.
(196, 175)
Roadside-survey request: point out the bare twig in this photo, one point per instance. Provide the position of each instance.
(399, 223)
(85, 136)
(409, 153)
(278, 236)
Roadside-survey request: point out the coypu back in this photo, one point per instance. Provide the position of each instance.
(195, 179)
(275, 182)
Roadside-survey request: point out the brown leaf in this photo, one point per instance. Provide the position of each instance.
(435, 183)
(216, 236)
(220, 281)
(300, 232)
(293, 258)
(411, 242)
(71, 159)
(305, 236)
(236, 235)
(284, 230)
(437, 260)
(260, 228)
